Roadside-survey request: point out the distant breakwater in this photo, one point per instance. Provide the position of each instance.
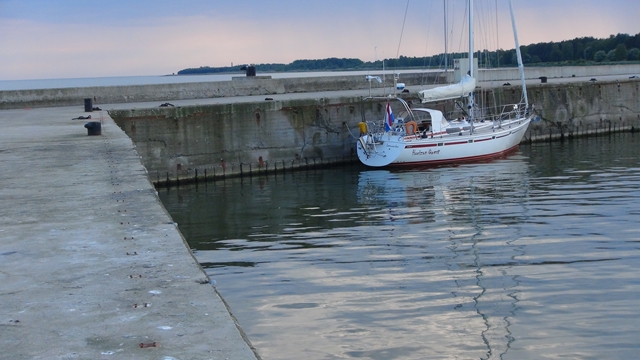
(240, 86)
(247, 86)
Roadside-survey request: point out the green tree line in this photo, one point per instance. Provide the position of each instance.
(579, 51)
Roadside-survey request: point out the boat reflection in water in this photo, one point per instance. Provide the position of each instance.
(470, 236)
(371, 264)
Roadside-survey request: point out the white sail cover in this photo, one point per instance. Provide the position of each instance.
(453, 91)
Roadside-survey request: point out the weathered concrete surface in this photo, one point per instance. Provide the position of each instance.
(557, 72)
(91, 265)
(241, 135)
(582, 108)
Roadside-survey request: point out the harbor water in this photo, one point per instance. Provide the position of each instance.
(533, 256)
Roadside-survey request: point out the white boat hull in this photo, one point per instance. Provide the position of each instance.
(393, 149)
(423, 136)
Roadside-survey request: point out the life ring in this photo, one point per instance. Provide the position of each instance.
(363, 128)
(413, 125)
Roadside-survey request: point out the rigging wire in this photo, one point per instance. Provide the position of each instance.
(492, 29)
(406, 10)
(465, 27)
(426, 48)
(482, 30)
(497, 38)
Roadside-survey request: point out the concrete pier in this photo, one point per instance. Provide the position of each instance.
(91, 265)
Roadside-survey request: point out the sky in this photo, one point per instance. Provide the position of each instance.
(50, 39)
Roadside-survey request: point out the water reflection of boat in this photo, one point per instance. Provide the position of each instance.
(403, 187)
(462, 207)
(441, 194)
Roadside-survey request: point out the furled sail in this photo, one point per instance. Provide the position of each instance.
(453, 91)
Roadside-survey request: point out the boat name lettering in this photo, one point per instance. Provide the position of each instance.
(415, 152)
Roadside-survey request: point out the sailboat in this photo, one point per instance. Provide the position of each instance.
(422, 136)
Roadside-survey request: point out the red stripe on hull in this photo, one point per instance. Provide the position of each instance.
(420, 146)
(458, 160)
(456, 143)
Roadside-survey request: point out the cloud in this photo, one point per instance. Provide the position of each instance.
(166, 45)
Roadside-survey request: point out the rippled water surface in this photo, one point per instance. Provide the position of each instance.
(533, 256)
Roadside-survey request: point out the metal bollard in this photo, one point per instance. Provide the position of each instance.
(93, 128)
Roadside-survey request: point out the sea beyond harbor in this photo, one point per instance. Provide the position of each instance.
(170, 79)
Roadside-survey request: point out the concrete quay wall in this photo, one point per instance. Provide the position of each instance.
(577, 109)
(217, 140)
(212, 141)
(557, 72)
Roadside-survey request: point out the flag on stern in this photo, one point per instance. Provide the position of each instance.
(388, 117)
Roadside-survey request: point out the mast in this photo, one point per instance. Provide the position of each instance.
(446, 45)
(471, 37)
(471, 104)
(520, 65)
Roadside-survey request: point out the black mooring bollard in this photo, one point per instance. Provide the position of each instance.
(88, 105)
(93, 128)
